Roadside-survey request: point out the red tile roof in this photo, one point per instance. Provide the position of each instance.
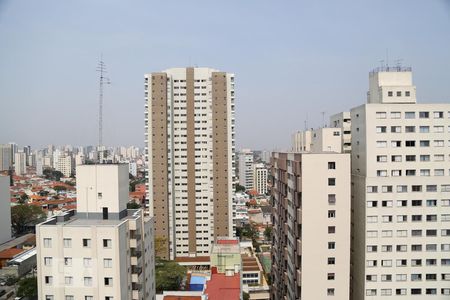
(222, 287)
(10, 253)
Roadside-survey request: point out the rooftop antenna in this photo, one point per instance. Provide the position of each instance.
(101, 68)
(398, 63)
(306, 122)
(323, 119)
(387, 58)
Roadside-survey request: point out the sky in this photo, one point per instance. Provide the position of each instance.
(293, 61)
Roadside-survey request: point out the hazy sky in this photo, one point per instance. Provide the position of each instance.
(292, 59)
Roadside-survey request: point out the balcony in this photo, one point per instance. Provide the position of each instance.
(135, 295)
(133, 243)
(134, 261)
(135, 278)
(299, 247)
(299, 215)
(299, 183)
(299, 277)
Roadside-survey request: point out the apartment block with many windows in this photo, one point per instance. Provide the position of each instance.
(311, 225)
(189, 125)
(401, 192)
(103, 251)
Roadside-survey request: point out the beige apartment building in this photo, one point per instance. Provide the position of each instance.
(260, 178)
(103, 251)
(5, 210)
(246, 170)
(189, 126)
(311, 224)
(401, 192)
(343, 120)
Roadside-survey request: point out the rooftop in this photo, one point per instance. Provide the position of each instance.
(222, 287)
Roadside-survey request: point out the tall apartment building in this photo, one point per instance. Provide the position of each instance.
(311, 225)
(401, 192)
(5, 157)
(260, 178)
(246, 168)
(20, 163)
(342, 120)
(189, 125)
(101, 251)
(5, 210)
(64, 164)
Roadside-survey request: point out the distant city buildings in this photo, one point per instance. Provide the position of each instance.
(5, 157)
(260, 178)
(189, 125)
(246, 171)
(20, 163)
(101, 251)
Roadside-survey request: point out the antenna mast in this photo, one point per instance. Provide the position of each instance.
(101, 67)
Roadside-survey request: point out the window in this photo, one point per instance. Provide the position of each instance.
(445, 202)
(331, 229)
(88, 297)
(410, 158)
(439, 157)
(331, 276)
(331, 214)
(431, 247)
(373, 203)
(48, 261)
(386, 263)
(396, 158)
(381, 144)
(401, 233)
(381, 115)
(416, 277)
(381, 158)
(396, 115)
(410, 115)
(87, 281)
(386, 292)
(402, 188)
(386, 203)
(410, 143)
(87, 243)
(416, 232)
(416, 188)
(401, 248)
(416, 248)
(396, 144)
(400, 277)
(107, 243)
(331, 181)
(99, 195)
(424, 129)
(407, 93)
(331, 199)
(431, 232)
(67, 261)
(331, 165)
(416, 202)
(49, 297)
(396, 129)
(431, 188)
(402, 218)
(331, 245)
(402, 262)
(438, 172)
(424, 143)
(400, 291)
(438, 129)
(438, 143)
(386, 277)
(386, 233)
(431, 277)
(445, 217)
(68, 280)
(402, 203)
(410, 129)
(47, 242)
(386, 248)
(381, 173)
(438, 114)
(390, 93)
(387, 219)
(381, 129)
(416, 218)
(424, 114)
(445, 232)
(331, 260)
(67, 243)
(107, 263)
(371, 292)
(48, 280)
(431, 203)
(424, 158)
(372, 189)
(396, 173)
(416, 291)
(372, 219)
(330, 292)
(372, 248)
(87, 262)
(399, 93)
(410, 172)
(424, 172)
(445, 188)
(69, 297)
(372, 233)
(386, 188)
(108, 281)
(372, 278)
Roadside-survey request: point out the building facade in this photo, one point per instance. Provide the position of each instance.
(260, 178)
(189, 126)
(5, 209)
(5, 157)
(20, 163)
(64, 164)
(311, 225)
(246, 169)
(101, 251)
(317, 140)
(343, 120)
(401, 192)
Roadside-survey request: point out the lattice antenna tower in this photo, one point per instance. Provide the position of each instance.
(101, 68)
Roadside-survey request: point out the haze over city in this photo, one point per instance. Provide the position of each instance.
(291, 59)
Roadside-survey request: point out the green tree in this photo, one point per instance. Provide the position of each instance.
(59, 188)
(169, 275)
(27, 287)
(160, 246)
(245, 296)
(23, 199)
(133, 205)
(268, 233)
(239, 188)
(25, 215)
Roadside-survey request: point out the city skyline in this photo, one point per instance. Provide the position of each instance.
(310, 57)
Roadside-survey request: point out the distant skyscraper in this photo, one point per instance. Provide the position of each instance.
(103, 251)
(20, 163)
(39, 163)
(189, 124)
(64, 164)
(5, 157)
(260, 178)
(246, 168)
